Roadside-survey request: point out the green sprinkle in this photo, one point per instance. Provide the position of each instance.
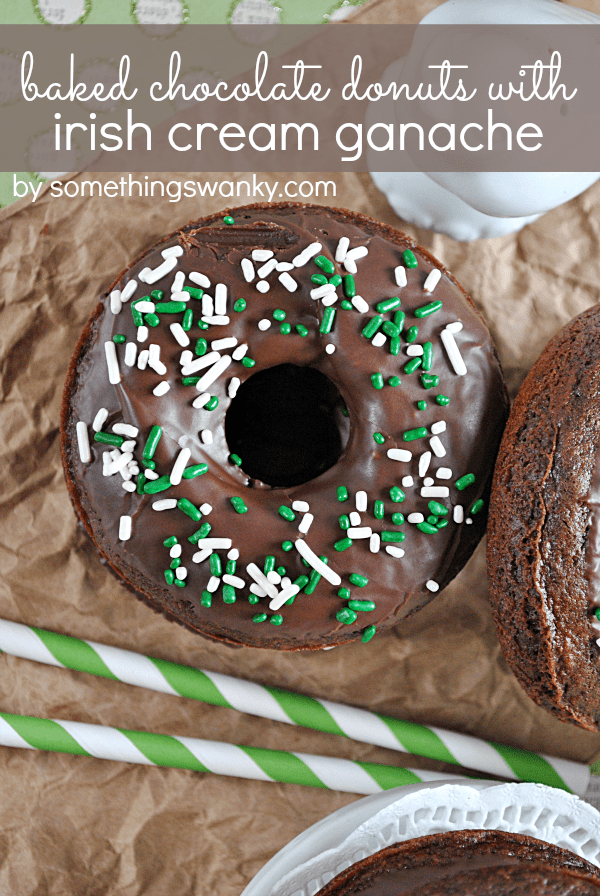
(152, 319)
(141, 482)
(315, 578)
(277, 619)
(301, 581)
(371, 328)
(238, 505)
(153, 486)
(409, 259)
(443, 523)
(327, 322)
(281, 570)
(119, 338)
(396, 494)
(392, 536)
(180, 583)
(465, 481)
(287, 513)
(344, 593)
(202, 532)
(228, 593)
(285, 329)
(169, 576)
(151, 442)
(170, 307)
(202, 325)
(335, 280)
(388, 305)
(368, 633)
(175, 563)
(195, 470)
(399, 318)
(287, 546)
(433, 520)
(342, 493)
(109, 438)
(411, 434)
(206, 599)
(395, 345)
(422, 405)
(235, 459)
(379, 438)
(426, 310)
(362, 606)
(412, 365)
(278, 314)
(239, 305)
(344, 521)
(216, 567)
(398, 519)
(137, 315)
(301, 329)
(358, 580)
(597, 613)
(188, 320)
(248, 362)
(319, 279)
(193, 291)
(253, 599)
(211, 403)
(269, 564)
(346, 305)
(325, 264)
(346, 616)
(394, 381)
(379, 510)
(349, 286)
(260, 617)
(429, 380)
(190, 380)
(438, 508)
(477, 506)
(156, 294)
(390, 329)
(427, 528)
(230, 567)
(343, 544)
(427, 356)
(228, 220)
(188, 508)
(377, 380)
(411, 334)
(442, 400)
(170, 542)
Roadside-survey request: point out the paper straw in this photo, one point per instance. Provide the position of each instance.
(496, 760)
(147, 748)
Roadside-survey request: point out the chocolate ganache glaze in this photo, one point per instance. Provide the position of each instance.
(332, 426)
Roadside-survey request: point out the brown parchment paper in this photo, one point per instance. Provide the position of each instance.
(76, 825)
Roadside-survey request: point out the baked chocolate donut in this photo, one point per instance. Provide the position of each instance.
(310, 407)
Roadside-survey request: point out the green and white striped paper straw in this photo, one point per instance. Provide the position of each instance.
(496, 760)
(147, 748)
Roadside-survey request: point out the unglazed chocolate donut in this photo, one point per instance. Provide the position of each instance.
(279, 426)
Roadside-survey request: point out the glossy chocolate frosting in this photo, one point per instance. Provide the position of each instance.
(475, 417)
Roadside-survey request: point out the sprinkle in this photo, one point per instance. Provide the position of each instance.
(288, 282)
(330, 348)
(179, 333)
(426, 310)
(374, 543)
(342, 493)
(142, 333)
(165, 504)
(432, 586)
(453, 352)
(397, 519)
(377, 380)
(181, 573)
(429, 380)
(454, 327)
(83, 441)
(263, 286)
(214, 373)
(355, 518)
(305, 256)
(442, 400)
(438, 427)
(212, 403)
(368, 634)
(175, 251)
(283, 266)
(394, 551)
(128, 486)
(162, 389)
(200, 348)
(161, 271)
(359, 532)
(218, 320)
(261, 580)
(428, 481)
(305, 523)
(220, 299)
(238, 505)
(234, 385)
(201, 401)
(115, 301)
(379, 438)
(145, 307)
(208, 305)
(213, 584)
(100, 419)
(411, 434)
(342, 248)
(274, 577)
(267, 268)
(151, 442)
(322, 291)
(286, 513)
(397, 495)
(175, 550)
(424, 462)
(399, 454)
(128, 290)
(344, 522)
(414, 351)
(284, 596)
(247, 270)
(179, 466)
(373, 325)
(458, 514)
(415, 518)
(346, 616)
(301, 330)
(154, 359)
(437, 447)
(248, 362)
(124, 528)
(388, 304)
(444, 473)
(264, 324)
(327, 322)
(412, 365)
(350, 265)
(400, 275)
(360, 304)
(114, 375)
(157, 485)
(378, 340)
(119, 463)
(326, 265)
(361, 501)
(261, 254)
(358, 580)
(435, 491)
(108, 438)
(464, 481)
(477, 506)
(408, 482)
(318, 565)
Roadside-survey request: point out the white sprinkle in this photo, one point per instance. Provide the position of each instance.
(235, 581)
(415, 518)
(105, 463)
(179, 466)
(186, 357)
(213, 584)
(428, 481)
(100, 419)
(400, 275)
(143, 274)
(233, 554)
(182, 296)
(179, 333)
(455, 327)
(320, 292)
(206, 436)
(452, 350)
(200, 363)
(399, 454)
(220, 299)
(261, 580)
(145, 307)
(360, 304)
(234, 385)
(128, 445)
(208, 306)
(256, 589)
(119, 463)
(359, 532)
(303, 549)
(342, 248)
(438, 427)
(124, 528)
(218, 320)
(435, 491)
(274, 577)
(182, 441)
(201, 400)
(350, 265)
(128, 486)
(130, 354)
(266, 269)
(375, 543)
(393, 551)
(199, 556)
(114, 375)
(142, 333)
(239, 352)
(263, 286)
(162, 389)
(154, 359)
(220, 344)
(151, 474)
(214, 373)
(261, 254)
(433, 278)
(361, 501)
(424, 462)
(126, 473)
(432, 586)
(284, 266)
(83, 440)
(176, 251)
(283, 596)
(437, 447)
(444, 473)
(330, 348)
(128, 290)
(330, 299)
(290, 284)
(468, 521)
(162, 270)
(142, 361)
(306, 523)
(355, 519)
(206, 509)
(458, 514)
(215, 544)
(358, 252)
(133, 469)
(165, 504)
(115, 454)
(175, 551)
(264, 324)
(115, 301)
(178, 281)
(181, 573)
(301, 506)
(247, 270)
(305, 256)
(199, 279)
(414, 351)
(378, 340)
(408, 481)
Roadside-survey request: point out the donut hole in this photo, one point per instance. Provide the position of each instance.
(287, 424)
